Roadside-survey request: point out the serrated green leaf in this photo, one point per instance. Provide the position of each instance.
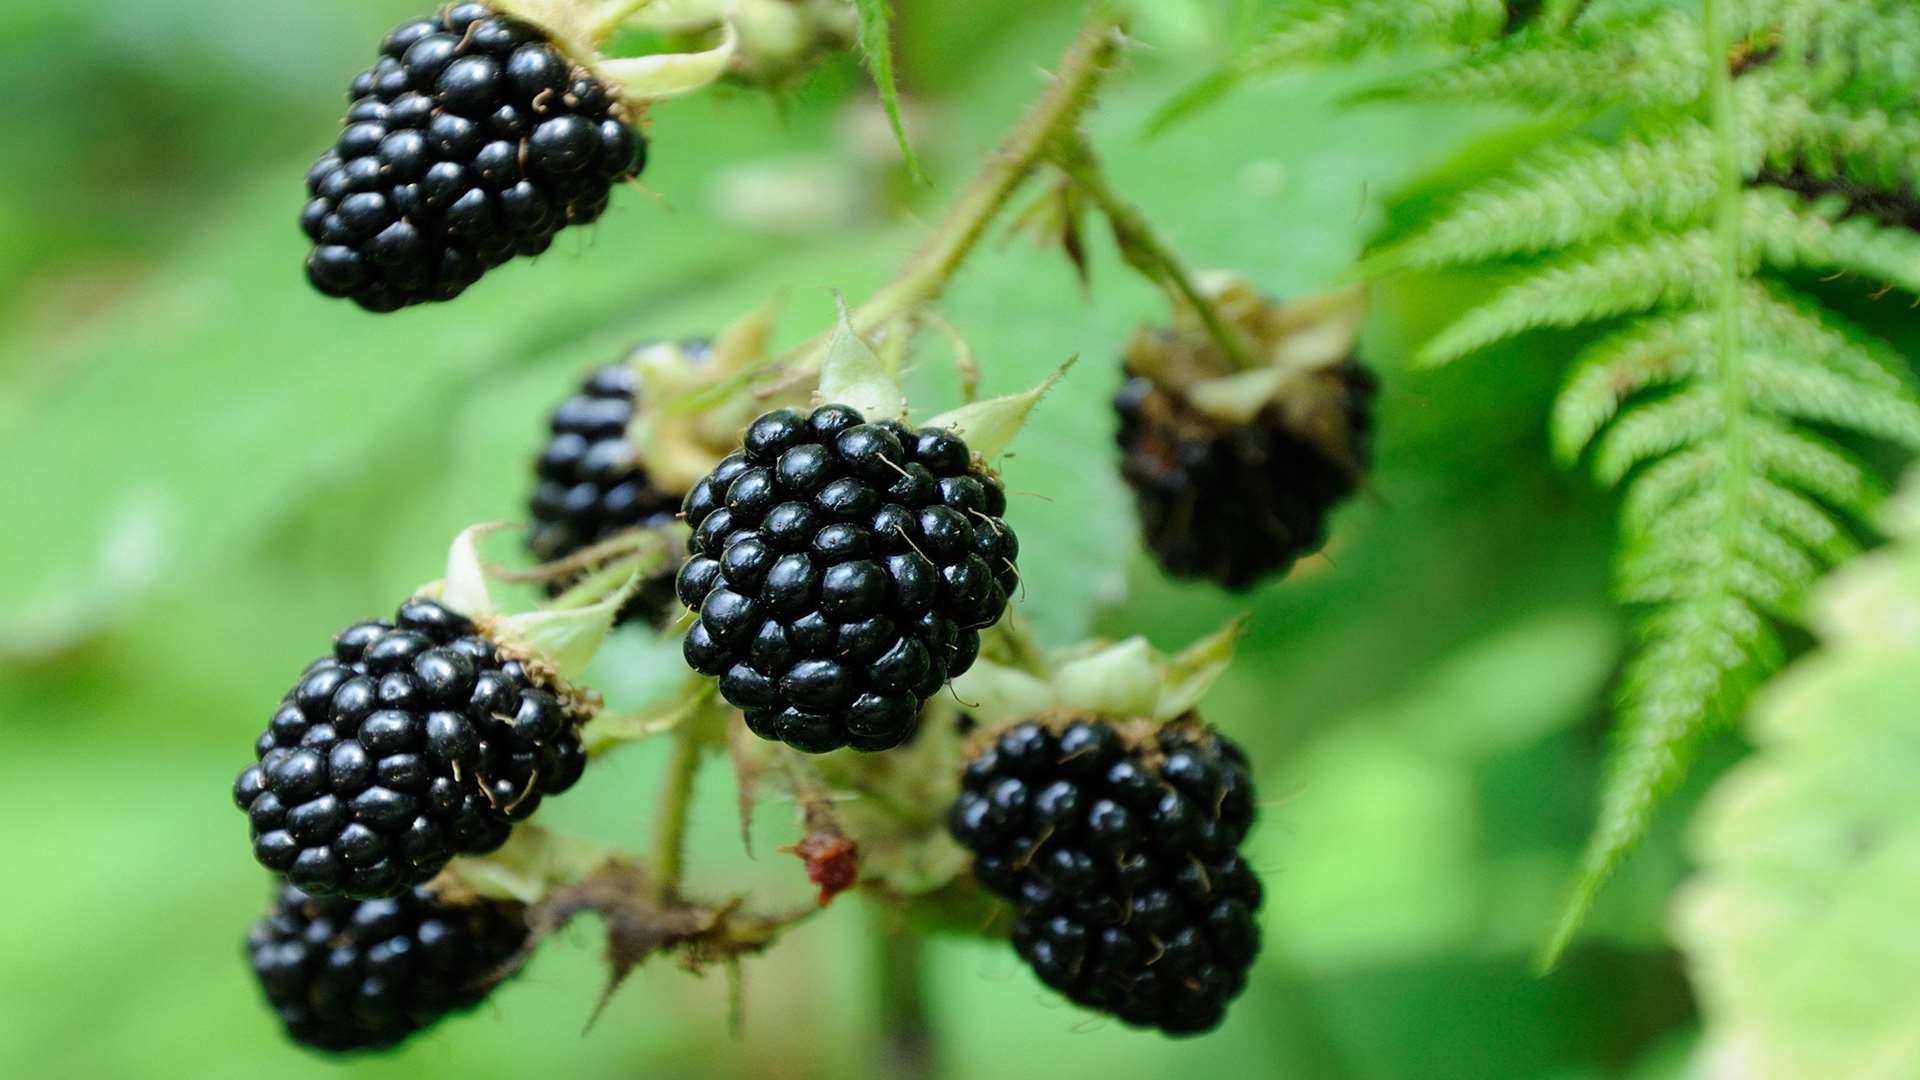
(876, 44)
(990, 426)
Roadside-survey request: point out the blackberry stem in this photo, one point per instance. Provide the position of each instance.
(1082, 68)
(906, 1050)
(670, 837)
(1145, 249)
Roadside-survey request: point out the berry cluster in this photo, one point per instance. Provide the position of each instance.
(415, 741)
(842, 572)
(471, 141)
(1234, 503)
(591, 485)
(362, 975)
(1121, 854)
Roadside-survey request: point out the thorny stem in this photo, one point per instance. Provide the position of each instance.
(670, 836)
(1141, 242)
(906, 1049)
(1081, 69)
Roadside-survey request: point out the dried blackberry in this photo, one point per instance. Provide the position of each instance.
(1233, 503)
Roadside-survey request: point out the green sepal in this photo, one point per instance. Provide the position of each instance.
(990, 426)
(565, 639)
(652, 78)
(1186, 676)
(853, 374)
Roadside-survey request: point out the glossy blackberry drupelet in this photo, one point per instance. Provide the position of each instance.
(415, 741)
(361, 975)
(471, 141)
(1234, 504)
(591, 486)
(842, 572)
(1121, 857)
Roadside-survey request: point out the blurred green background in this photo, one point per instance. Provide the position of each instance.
(209, 469)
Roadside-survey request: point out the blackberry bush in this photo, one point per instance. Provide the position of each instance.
(412, 742)
(1230, 502)
(1119, 846)
(842, 571)
(590, 484)
(472, 140)
(347, 975)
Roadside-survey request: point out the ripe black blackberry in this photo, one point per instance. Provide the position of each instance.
(1118, 845)
(413, 742)
(842, 571)
(349, 975)
(473, 139)
(591, 485)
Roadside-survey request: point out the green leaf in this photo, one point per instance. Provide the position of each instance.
(876, 44)
(1797, 928)
(990, 426)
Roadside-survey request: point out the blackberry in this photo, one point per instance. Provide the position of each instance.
(591, 486)
(842, 571)
(472, 140)
(1119, 847)
(1235, 502)
(412, 742)
(364, 974)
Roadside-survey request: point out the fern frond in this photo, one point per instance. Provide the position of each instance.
(1698, 663)
(1654, 430)
(1866, 145)
(1779, 140)
(1565, 196)
(1650, 61)
(1310, 32)
(1796, 324)
(1605, 279)
(1803, 519)
(1817, 467)
(1790, 232)
(1656, 351)
(1587, 285)
(1792, 388)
